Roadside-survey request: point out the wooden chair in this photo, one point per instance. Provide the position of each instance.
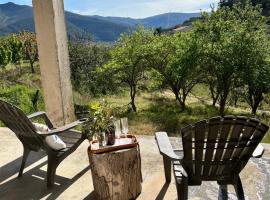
(22, 126)
(213, 150)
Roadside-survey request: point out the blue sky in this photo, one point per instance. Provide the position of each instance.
(130, 8)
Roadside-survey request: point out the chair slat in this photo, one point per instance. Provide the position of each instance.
(222, 147)
(187, 146)
(19, 123)
(214, 126)
(234, 135)
(247, 133)
(200, 131)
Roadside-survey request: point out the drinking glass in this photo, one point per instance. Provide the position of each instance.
(124, 123)
(117, 126)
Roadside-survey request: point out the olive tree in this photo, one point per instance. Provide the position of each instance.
(85, 59)
(30, 49)
(233, 43)
(128, 63)
(15, 45)
(176, 59)
(5, 53)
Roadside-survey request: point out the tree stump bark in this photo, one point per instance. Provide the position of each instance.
(116, 175)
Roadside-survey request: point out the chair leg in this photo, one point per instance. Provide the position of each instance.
(223, 192)
(51, 170)
(182, 188)
(167, 168)
(239, 189)
(26, 152)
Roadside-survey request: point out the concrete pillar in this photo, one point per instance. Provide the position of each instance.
(54, 59)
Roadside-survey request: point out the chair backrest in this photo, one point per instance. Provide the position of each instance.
(19, 123)
(219, 148)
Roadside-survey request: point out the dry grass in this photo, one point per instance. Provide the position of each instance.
(158, 111)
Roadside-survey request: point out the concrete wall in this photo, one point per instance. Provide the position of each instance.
(54, 59)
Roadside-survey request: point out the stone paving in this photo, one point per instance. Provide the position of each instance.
(74, 181)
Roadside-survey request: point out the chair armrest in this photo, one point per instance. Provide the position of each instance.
(258, 152)
(42, 115)
(165, 147)
(63, 128)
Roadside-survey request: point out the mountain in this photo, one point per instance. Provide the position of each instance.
(15, 18)
(166, 20)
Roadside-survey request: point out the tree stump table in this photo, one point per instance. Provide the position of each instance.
(116, 174)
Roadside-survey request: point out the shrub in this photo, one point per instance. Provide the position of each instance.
(22, 97)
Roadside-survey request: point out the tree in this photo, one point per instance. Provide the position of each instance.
(128, 62)
(15, 45)
(265, 4)
(30, 49)
(176, 58)
(258, 85)
(5, 53)
(229, 36)
(85, 59)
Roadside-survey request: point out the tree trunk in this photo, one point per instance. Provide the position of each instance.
(214, 96)
(32, 67)
(132, 97)
(117, 175)
(255, 98)
(222, 103)
(181, 102)
(214, 102)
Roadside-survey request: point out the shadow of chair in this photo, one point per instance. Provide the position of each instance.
(13, 167)
(163, 191)
(31, 186)
(91, 196)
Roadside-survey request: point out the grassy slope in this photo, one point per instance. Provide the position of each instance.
(156, 111)
(159, 111)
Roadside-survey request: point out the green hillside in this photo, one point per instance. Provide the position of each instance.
(15, 18)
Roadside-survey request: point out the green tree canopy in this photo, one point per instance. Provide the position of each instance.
(233, 41)
(85, 59)
(176, 58)
(128, 61)
(16, 47)
(30, 49)
(5, 53)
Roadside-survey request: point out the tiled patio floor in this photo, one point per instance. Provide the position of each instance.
(74, 179)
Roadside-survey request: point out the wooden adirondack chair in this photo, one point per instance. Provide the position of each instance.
(213, 150)
(22, 126)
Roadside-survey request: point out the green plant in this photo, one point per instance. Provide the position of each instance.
(128, 63)
(23, 97)
(234, 46)
(85, 59)
(5, 53)
(176, 59)
(30, 49)
(100, 119)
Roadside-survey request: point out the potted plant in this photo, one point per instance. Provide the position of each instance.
(100, 124)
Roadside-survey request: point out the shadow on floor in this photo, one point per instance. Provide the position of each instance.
(163, 191)
(13, 167)
(91, 196)
(32, 185)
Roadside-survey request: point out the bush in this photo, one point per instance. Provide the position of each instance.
(22, 97)
(85, 59)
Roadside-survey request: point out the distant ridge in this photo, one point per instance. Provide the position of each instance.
(15, 18)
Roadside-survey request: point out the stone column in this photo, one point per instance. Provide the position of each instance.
(54, 59)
